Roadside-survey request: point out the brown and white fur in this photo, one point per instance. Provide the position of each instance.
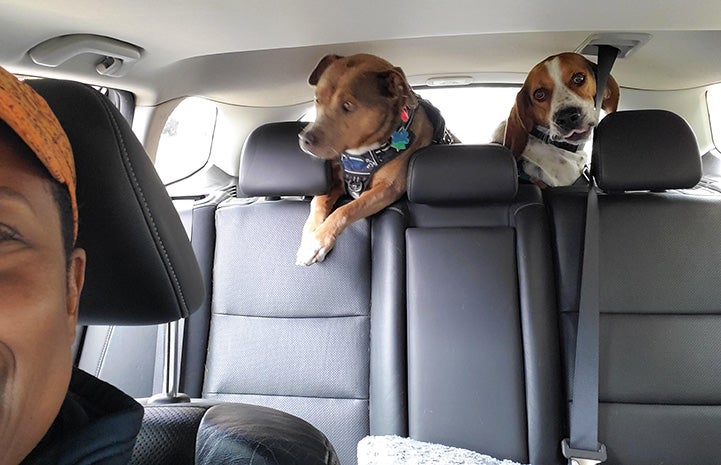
(558, 98)
(359, 100)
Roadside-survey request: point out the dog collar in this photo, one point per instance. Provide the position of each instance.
(358, 169)
(542, 134)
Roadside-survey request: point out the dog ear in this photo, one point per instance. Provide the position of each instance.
(321, 67)
(519, 124)
(611, 95)
(393, 83)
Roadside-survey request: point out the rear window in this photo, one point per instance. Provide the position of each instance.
(472, 113)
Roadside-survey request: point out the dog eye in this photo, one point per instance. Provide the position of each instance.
(347, 106)
(578, 78)
(540, 95)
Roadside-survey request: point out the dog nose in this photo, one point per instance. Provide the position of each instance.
(568, 117)
(308, 138)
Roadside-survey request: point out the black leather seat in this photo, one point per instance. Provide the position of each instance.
(142, 270)
(483, 352)
(660, 330)
(298, 338)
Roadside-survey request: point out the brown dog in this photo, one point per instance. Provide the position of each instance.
(369, 122)
(553, 116)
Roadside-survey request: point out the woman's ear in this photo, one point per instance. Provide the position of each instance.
(75, 281)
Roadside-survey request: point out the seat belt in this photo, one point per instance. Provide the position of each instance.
(606, 57)
(583, 448)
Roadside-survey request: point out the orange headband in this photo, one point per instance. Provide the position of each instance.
(29, 115)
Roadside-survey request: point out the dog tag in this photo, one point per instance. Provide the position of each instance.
(400, 140)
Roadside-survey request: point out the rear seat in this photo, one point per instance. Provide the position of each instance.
(296, 338)
(483, 354)
(299, 339)
(482, 366)
(660, 299)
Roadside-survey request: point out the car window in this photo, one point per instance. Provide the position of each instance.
(186, 140)
(472, 113)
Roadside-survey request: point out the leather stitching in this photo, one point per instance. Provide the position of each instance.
(146, 209)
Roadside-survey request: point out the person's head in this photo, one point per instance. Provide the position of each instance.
(41, 271)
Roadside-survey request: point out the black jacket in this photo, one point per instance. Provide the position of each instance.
(97, 424)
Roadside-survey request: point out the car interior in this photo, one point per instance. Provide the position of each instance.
(458, 315)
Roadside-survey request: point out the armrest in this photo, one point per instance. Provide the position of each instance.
(249, 434)
(203, 432)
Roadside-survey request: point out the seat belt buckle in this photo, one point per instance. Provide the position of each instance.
(586, 172)
(583, 457)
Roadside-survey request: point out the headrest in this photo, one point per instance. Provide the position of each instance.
(141, 268)
(645, 150)
(462, 174)
(272, 164)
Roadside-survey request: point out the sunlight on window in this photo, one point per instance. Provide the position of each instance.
(187, 137)
(472, 113)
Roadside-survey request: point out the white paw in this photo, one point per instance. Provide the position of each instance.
(311, 250)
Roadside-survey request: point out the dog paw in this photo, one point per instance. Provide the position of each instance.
(312, 250)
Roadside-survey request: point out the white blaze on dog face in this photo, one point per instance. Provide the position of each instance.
(574, 92)
(357, 107)
(561, 91)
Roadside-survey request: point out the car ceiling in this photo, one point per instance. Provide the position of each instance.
(259, 53)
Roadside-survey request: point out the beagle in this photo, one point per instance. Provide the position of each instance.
(553, 117)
